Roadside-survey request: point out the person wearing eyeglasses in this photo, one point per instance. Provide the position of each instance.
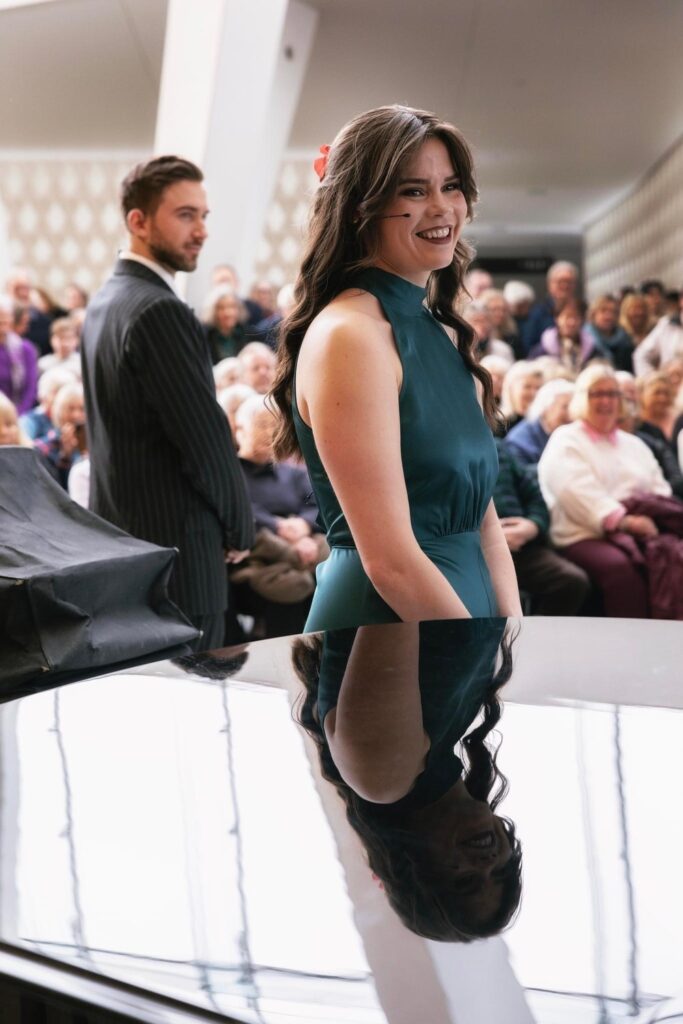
(590, 473)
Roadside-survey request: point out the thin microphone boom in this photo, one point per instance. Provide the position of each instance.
(388, 216)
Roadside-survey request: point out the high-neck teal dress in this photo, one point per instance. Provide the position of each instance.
(449, 461)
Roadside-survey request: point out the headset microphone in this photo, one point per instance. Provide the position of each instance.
(389, 216)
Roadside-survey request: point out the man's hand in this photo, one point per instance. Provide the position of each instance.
(233, 556)
(518, 531)
(307, 550)
(639, 526)
(293, 529)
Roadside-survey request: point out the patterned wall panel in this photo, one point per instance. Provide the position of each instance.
(281, 242)
(642, 236)
(62, 216)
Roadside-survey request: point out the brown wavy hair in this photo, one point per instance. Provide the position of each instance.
(365, 164)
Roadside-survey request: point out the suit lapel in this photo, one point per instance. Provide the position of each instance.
(131, 268)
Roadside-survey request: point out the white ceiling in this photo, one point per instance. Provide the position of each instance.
(565, 104)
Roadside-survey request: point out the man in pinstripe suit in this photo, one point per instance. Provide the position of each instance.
(163, 464)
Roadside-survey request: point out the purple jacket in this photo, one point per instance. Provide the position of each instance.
(549, 345)
(18, 371)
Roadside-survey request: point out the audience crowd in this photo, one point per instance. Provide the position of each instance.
(590, 436)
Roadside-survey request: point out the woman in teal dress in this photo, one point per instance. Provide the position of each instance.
(378, 388)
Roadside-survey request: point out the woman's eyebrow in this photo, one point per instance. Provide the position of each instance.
(425, 181)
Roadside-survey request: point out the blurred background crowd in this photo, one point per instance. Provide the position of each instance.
(563, 372)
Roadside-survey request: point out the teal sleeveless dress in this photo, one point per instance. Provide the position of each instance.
(449, 461)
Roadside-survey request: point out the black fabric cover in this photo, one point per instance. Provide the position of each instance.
(77, 594)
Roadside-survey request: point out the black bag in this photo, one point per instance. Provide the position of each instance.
(77, 595)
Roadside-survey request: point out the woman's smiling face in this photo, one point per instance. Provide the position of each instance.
(429, 193)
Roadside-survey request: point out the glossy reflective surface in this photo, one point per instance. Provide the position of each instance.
(175, 830)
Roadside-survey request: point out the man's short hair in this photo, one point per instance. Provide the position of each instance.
(143, 187)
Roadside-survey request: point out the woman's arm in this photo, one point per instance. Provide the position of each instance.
(351, 379)
(501, 567)
(375, 733)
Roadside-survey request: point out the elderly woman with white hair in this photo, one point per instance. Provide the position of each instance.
(66, 442)
(223, 320)
(548, 411)
(587, 472)
(520, 386)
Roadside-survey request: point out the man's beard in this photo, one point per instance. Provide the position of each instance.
(174, 259)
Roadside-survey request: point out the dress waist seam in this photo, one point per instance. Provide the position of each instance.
(420, 540)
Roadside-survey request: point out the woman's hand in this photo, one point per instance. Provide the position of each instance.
(639, 526)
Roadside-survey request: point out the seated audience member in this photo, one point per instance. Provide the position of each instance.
(554, 585)
(38, 420)
(21, 319)
(607, 333)
(258, 364)
(656, 414)
(225, 274)
(266, 329)
(562, 283)
(674, 371)
(230, 399)
(277, 579)
(227, 372)
(78, 484)
(75, 297)
(662, 451)
(520, 297)
(672, 302)
(18, 363)
(223, 316)
(487, 344)
(548, 411)
(65, 443)
(64, 342)
(663, 343)
(550, 369)
(497, 368)
(590, 474)
(476, 282)
(10, 429)
(503, 325)
(655, 296)
(20, 291)
(521, 383)
(635, 318)
(569, 341)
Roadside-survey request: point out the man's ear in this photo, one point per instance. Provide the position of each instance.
(136, 222)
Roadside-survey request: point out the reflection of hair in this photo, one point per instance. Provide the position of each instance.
(365, 164)
(578, 407)
(427, 903)
(211, 666)
(143, 187)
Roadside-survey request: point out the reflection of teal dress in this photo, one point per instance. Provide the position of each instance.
(449, 462)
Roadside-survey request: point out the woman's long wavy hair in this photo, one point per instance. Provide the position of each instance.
(365, 164)
(427, 902)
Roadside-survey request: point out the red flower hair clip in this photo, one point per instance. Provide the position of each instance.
(320, 163)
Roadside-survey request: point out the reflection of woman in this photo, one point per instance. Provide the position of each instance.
(384, 408)
(386, 706)
(587, 471)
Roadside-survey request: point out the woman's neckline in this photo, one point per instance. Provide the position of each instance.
(393, 287)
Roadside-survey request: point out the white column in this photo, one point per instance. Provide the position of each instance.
(230, 86)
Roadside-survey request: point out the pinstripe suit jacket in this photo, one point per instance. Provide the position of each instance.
(163, 465)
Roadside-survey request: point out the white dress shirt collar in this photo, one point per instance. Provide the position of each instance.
(165, 276)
